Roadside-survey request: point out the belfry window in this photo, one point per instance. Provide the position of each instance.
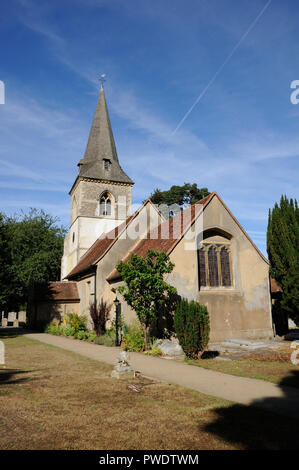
(105, 204)
(214, 266)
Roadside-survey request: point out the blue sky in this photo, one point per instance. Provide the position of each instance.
(241, 139)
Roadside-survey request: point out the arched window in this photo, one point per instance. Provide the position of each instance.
(214, 261)
(105, 204)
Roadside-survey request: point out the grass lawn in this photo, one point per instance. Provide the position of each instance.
(54, 399)
(274, 366)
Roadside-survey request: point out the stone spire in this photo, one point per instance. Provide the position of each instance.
(100, 159)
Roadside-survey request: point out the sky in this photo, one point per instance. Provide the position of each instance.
(198, 91)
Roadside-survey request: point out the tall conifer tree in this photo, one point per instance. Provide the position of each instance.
(283, 253)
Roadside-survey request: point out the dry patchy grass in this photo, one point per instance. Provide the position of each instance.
(54, 399)
(273, 366)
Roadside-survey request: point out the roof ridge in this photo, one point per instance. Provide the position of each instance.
(241, 228)
(183, 230)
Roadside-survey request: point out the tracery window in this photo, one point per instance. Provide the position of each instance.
(214, 265)
(105, 204)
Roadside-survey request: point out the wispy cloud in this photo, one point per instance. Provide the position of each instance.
(230, 144)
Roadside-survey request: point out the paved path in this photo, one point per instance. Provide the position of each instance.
(243, 390)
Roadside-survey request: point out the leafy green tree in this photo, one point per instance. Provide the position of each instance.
(192, 326)
(6, 280)
(145, 290)
(186, 194)
(36, 247)
(283, 253)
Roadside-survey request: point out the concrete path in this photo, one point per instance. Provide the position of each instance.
(259, 393)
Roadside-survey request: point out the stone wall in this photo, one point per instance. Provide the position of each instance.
(87, 225)
(242, 310)
(42, 313)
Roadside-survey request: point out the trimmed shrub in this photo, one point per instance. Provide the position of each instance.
(192, 326)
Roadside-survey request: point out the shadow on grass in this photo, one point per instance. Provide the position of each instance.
(209, 354)
(10, 376)
(9, 332)
(271, 423)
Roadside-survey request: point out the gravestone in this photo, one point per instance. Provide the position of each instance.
(2, 353)
(12, 316)
(3, 320)
(122, 365)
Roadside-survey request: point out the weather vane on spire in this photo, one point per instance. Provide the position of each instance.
(102, 79)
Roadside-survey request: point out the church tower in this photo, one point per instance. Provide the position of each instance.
(101, 196)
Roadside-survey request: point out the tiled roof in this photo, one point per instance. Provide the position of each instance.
(178, 226)
(98, 249)
(56, 290)
(167, 234)
(102, 245)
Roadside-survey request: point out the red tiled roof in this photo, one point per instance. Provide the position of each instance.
(167, 234)
(97, 250)
(102, 245)
(274, 286)
(56, 290)
(177, 227)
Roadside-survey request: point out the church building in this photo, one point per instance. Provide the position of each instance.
(216, 262)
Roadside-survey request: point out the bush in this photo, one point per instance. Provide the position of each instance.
(72, 325)
(53, 329)
(77, 322)
(91, 336)
(192, 326)
(107, 339)
(134, 338)
(81, 334)
(99, 315)
(154, 352)
(68, 331)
